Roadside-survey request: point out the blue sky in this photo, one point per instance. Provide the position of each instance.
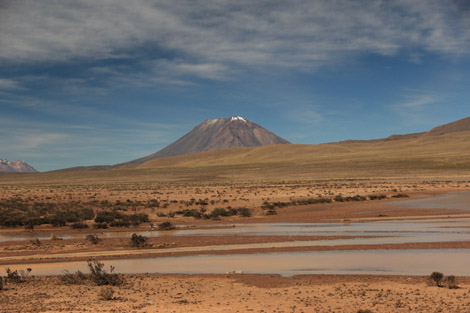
(101, 82)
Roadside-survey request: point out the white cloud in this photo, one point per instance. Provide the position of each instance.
(418, 101)
(9, 84)
(21, 141)
(214, 36)
(305, 116)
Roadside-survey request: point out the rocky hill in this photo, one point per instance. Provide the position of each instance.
(15, 167)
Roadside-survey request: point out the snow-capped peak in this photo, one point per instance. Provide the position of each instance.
(237, 118)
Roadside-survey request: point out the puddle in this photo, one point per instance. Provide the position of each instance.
(375, 262)
(380, 262)
(286, 229)
(456, 200)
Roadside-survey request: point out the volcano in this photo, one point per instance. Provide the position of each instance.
(217, 134)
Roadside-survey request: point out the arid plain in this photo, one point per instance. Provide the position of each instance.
(281, 228)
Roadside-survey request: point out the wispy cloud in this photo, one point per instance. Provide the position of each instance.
(211, 37)
(418, 102)
(23, 141)
(306, 116)
(9, 84)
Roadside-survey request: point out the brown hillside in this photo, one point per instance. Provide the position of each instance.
(457, 126)
(450, 150)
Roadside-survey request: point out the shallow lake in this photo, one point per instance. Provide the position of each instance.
(375, 262)
(455, 200)
(396, 262)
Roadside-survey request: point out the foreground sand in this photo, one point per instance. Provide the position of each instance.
(232, 293)
(239, 293)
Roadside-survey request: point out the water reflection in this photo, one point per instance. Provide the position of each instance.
(456, 200)
(407, 228)
(378, 262)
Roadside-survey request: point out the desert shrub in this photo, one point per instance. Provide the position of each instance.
(93, 239)
(104, 217)
(11, 219)
(78, 225)
(16, 276)
(138, 218)
(400, 195)
(138, 240)
(271, 212)
(356, 198)
(30, 222)
(100, 277)
(339, 198)
(100, 225)
(73, 278)
(71, 216)
(1, 283)
(166, 226)
(108, 216)
(267, 205)
(106, 293)
(57, 220)
(450, 282)
(191, 212)
(229, 211)
(217, 212)
(364, 311)
(86, 214)
(436, 278)
(244, 212)
(161, 214)
(120, 223)
(377, 197)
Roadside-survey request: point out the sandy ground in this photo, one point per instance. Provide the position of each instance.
(239, 293)
(232, 293)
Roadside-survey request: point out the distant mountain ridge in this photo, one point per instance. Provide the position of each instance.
(217, 134)
(445, 147)
(223, 133)
(453, 127)
(17, 166)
